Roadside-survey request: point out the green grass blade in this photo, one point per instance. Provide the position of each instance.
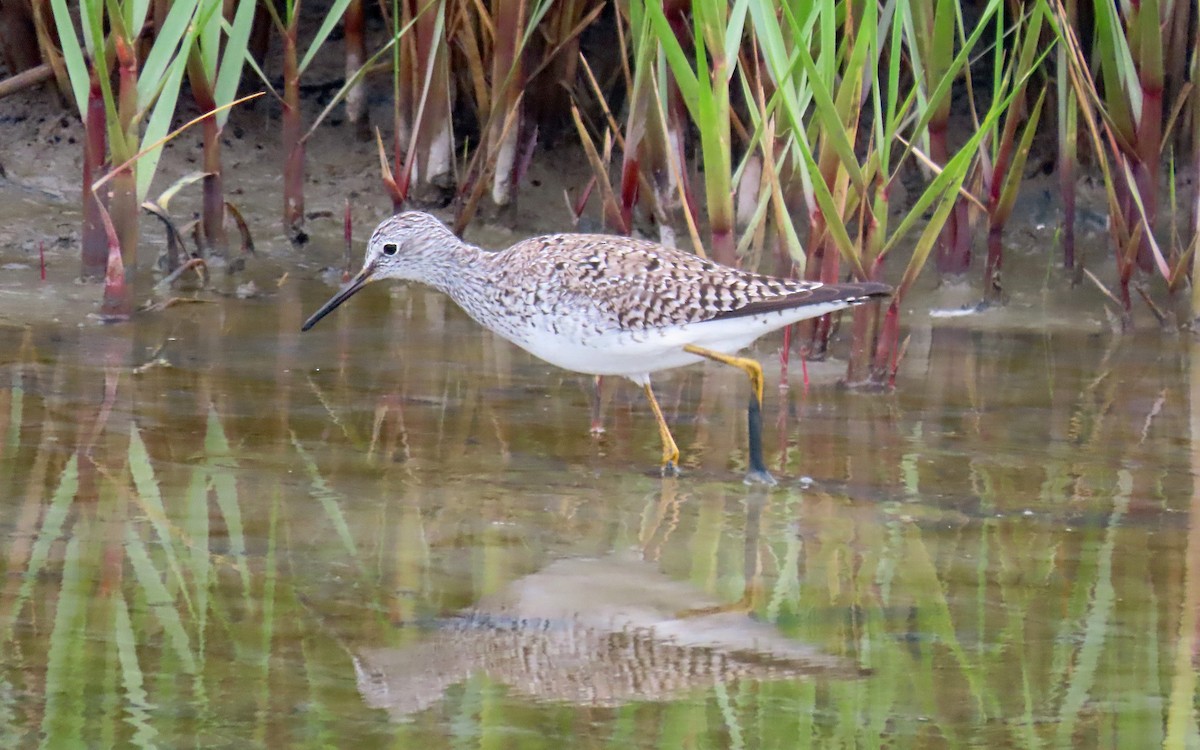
(91, 19)
(62, 719)
(72, 51)
(48, 534)
(328, 500)
(1122, 92)
(159, 123)
(221, 466)
(149, 498)
(209, 37)
(830, 121)
(331, 18)
(137, 705)
(1098, 619)
(734, 31)
(166, 49)
(196, 526)
(12, 441)
(1016, 169)
(825, 201)
(681, 66)
(159, 600)
(135, 13)
(234, 56)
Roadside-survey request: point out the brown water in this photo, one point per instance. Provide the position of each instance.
(396, 530)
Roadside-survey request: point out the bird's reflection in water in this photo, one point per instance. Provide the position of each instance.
(591, 632)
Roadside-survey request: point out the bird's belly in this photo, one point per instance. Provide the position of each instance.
(637, 353)
(613, 354)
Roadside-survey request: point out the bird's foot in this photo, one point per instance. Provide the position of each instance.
(669, 469)
(760, 477)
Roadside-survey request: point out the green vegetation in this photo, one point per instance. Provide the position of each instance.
(223, 564)
(197, 556)
(727, 120)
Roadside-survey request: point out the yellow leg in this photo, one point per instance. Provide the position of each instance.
(750, 367)
(758, 473)
(670, 457)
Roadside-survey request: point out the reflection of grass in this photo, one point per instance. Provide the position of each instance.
(328, 500)
(50, 531)
(105, 623)
(62, 720)
(136, 620)
(1080, 678)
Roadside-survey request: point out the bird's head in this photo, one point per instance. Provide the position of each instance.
(401, 247)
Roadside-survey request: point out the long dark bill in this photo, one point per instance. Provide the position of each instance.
(346, 292)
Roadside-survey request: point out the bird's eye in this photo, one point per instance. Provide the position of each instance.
(391, 248)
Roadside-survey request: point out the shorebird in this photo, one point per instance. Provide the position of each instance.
(605, 304)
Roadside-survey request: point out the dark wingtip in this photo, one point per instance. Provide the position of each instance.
(854, 292)
(850, 293)
(860, 292)
(869, 289)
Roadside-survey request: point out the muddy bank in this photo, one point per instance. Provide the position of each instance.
(41, 152)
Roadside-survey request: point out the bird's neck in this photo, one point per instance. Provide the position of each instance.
(460, 270)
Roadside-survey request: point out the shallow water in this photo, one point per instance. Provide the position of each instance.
(396, 530)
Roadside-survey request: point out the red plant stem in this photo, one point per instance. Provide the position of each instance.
(1066, 183)
(214, 192)
(123, 204)
(117, 302)
(724, 246)
(127, 68)
(993, 290)
(1145, 176)
(581, 202)
(860, 331)
(1126, 298)
(293, 146)
(213, 212)
(630, 182)
(830, 263)
(123, 208)
(1126, 254)
(888, 350)
(817, 250)
(400, 175)
(822, 254)
(1127, 260)
(866, 317)
(42, 259)
(93, 240)
(954, 247)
